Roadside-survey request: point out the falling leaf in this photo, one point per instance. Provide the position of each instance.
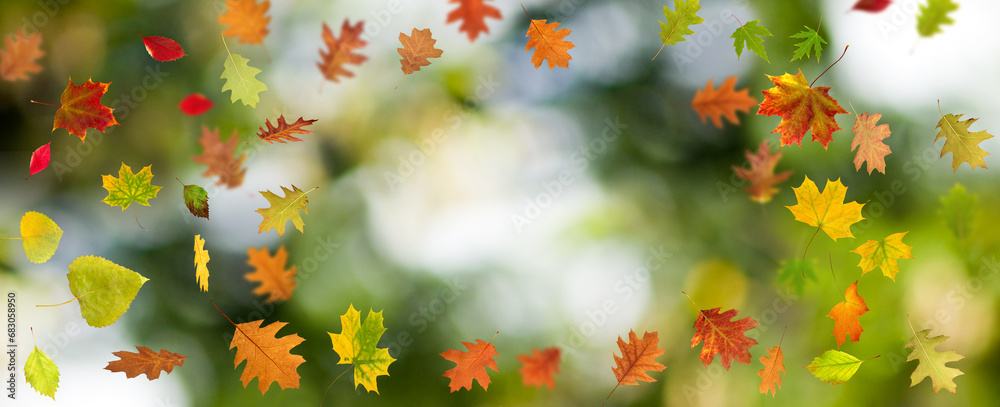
(751, 35)
(539, 367)
(40, 236)
(240, 79)
(473, 13)
(723, 102)
(679, 20)
(220, 158)
(802, 108)
(81, 108)
(761, 173)
(638, 356)
(834, 366)
(417, 47)
(162, 48)
(341, 51)
(962, 144)
(471, 364)
(548, 44)
(145, 362)
(129, 187)
(811, 41)
(41, 373)
(269, 359)
(770, 375)
(105, 290)
(883, 254)
(283, 210)
(18, 59)
(932, 363)
(39, 159)
(196, 200)
(246, 19)
(723, 336)
(933, 15)
(827, 211)
(868, 141)
(845, 316)
(357, 345)
(195, 104)
(275, 281)
(201, 263)
(872, 6)
(284, 131)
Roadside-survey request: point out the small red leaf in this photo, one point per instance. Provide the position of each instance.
(196, 104)
(40, 159)
(873, 6)
(162, 48)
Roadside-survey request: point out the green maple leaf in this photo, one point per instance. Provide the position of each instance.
(812, 41)
(283, 209)
(676, 27)
(933, 15)
(750, 34)
(960, 142)
(356, 345)
(41, 373)
(40, 236)
(129, 187)
(795, 273)
(931, 362)
(105, 290)
(196, 200)
(240, 79)
(834, 366)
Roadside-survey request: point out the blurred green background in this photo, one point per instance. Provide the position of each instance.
(480, 196)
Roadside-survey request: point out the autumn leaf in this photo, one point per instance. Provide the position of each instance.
(40, 371)
(872, 6)
(145, 362)
(678, 22)
(845, 316)
(275, 281)
(548, 44)
(883, 254)
(39, 159)
(723, 337)
(723, 102)
(868, 141)
(18, 59)
(40, 237)
(774, 366)
(283, 131)
(246, 19)
(105, 290)
(201, 263)
(195, 104)
(751, 35)
(802, 108)
(473, 14)
(471, 365)
(761, 173)
(269, 359)
(341, 51)
(196, 200)
(933, 15)
(162, 48)
(284, 209)
(129, 187)
(834, 366)
(932, 363)
(539, 367)
(638, 356)
(417, 47)
(962, 144)
(220, 158)
(81, 108)
(826, 211)
(357, 345)
(240, 79)
(811, 41)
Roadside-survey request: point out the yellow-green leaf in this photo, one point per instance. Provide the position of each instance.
(827, 210)
(283, 210)
(40, 236)
(201, 262)
(933, 15)
(751, 35)
(240, 79)
(356, 344)
(41, 373)
(129, 187)
(884, 254)
(960, 142)
(105, 290)
(196, 200)
(931, 362)
(834, 366)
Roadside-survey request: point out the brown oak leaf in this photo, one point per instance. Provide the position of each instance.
(269, 359)
(341, 51)
(539, 367)
(548, 44)
(145, 362)
(220, 158)
(283, 131)
(417, 47)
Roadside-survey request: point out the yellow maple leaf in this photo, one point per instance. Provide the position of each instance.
(827, 211)
(201, 262)
(884, 254)
(283, 209)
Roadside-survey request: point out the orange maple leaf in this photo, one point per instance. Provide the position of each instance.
(220, 158)
(474, 13)
(283, 131)
(539, 367)
(548, 44)
(81, 108)
(18, 59)
(637, 357)
(471, 365)
(417, 47)
(722, 336)
(145, 362)
(246, 20)
(845, 316)
(269, 358)
(774, 365)
(341, 51)
(802, 108)
(869, 138)
(761, 173)
(723, 102)
(274, 280)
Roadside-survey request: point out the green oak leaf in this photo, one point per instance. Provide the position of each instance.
(105, 290)
(812, 41)
(750, 34)
(129, 187)
(933, 15)
(240, 79)
(40, 236)
(356, 344)
(41, 373)
(196, 200)
(834, 366)
(676, 27)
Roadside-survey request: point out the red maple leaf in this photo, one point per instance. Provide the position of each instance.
(539, 367)
(802, 108)
(471, 364)
(873, 6)
(81, 108)
(474, 13)
(722, 336)
(162, 48)
(341, 50)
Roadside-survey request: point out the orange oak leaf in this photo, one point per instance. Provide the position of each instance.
(274, 280)
(845, 316)
(637, 357)
(774, 366)
(548, 44)
(471, 364)
(417, 47)
(17, 60)
(268, 357)
(802, 108)
(869, 138)
(723, 336)
(81, 108)
(283, 131)
(341, 51)
(539, 367)
(220, 158)
(761, 173)
(145, 362)
(474, 13)
(723, 102)
(246, 20)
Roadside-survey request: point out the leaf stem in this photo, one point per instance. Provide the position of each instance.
(77, 297)
(831, 65)
(12, 238)
(782, 336)
(331, 385)
(136, 216)
(831, 267)
(43, 103)
(223, 313)
(809, 244)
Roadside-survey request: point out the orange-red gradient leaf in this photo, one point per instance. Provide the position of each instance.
(770, 375)
(81, 108)
(471, 365)
(473, 14)
(283, 131)
(548, 44)
(341, 51)
(761, 173)
(722, 102)
(17, 60)
(145, 362)
(801, 108)
(845, 316)
(275, 281)
(723, 337)
(246, 19)
(540, 366)
(269, 359)
(162, 48)
(637, 357)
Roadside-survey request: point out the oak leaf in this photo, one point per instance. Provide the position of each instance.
(41, 372)
(811, 40)
(417, 47)
(17, 60)
(357, 345)
(241, 80)
(145, 362)
(723, 102)
(269, 358)
(933, 15)
(827, 211)
(196, 200)
(81, 108)
(283, 209)
(960, 142)
(473, 13)
(872, 6)
(884, 254)
(802, 108)
(246, 19)
(931, 362)
(195, 104)
(40, 159)
(275, 281)
(104, 289)
(548, 44)
(40, 236)
(723, 337)
(834, 367)
(220, 158)
(761, 173)
(868, 141)
(471, 365)
(201, 259)
(770, 375)
(341, 51)
(162, 48)
(638, 356)
(283, 131)
(751, 35)
(539, 367)
(845, 316)
(129, 187)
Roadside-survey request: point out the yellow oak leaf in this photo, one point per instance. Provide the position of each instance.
(884, 254)
(826, 210)
(283, 209)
